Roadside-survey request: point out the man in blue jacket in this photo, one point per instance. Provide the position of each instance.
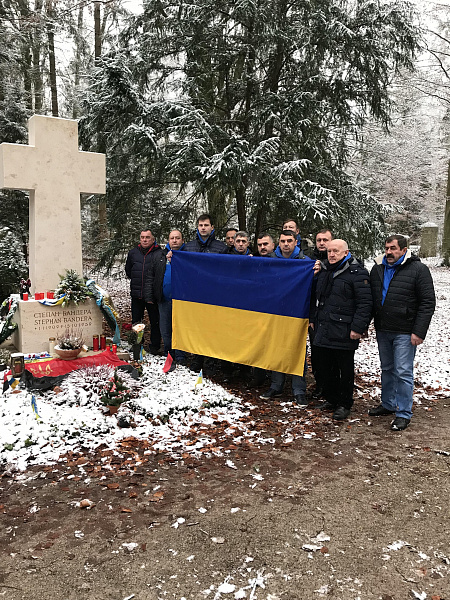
(136, 269)
(204, 241)
(288, 249)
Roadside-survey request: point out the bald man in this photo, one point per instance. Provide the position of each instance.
(341, 314)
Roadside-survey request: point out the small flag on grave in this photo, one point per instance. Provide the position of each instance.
(10, 383)
(199, 379)
(168, 363)
(34, 407)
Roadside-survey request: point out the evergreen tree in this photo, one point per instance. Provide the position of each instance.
(250, 106)
(12, 264)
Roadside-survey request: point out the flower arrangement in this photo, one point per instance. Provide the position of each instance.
(115, 391)
(71, 340)
(136, 334)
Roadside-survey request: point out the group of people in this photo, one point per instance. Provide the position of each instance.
(398, 294)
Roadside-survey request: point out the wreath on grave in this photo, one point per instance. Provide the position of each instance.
(8, 308)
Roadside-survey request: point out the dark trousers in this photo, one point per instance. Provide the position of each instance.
(336, 370)
(314, 359)
(138, 306)
(165, 325)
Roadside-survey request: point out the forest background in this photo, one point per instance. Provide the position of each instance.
(334, 112)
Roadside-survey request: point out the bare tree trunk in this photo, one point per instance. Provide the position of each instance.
(446, 235)
(97, 31)
(37, 50)
(51, 57)
(240, 205)
(258, 224)
(26, 61)
(78, 42)
(102, 215)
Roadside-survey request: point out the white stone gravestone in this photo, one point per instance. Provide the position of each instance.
(429, 240)
(54, 172)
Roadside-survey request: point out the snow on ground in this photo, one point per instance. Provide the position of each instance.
(167, 407)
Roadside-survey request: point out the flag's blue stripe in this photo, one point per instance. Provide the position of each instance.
(268, 285)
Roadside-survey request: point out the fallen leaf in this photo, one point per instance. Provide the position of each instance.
(156, 497)
(112, 486)
(125, 510)
(218, 540)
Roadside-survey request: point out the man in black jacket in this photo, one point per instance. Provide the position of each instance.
(341, 314)
(136, 269)
(158, 291)
(404, 302)
(240, 246)
(319, 252)
(205, 239)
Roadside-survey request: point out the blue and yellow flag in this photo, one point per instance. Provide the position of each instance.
(247, 310)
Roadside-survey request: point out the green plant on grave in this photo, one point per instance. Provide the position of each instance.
(73, 288)
(115, 391)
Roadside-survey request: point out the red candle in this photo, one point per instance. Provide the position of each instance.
(103, 342)
(25, 296)
(95, 343)
(50, 295)
(114, 348)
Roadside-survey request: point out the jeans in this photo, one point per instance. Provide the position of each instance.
(165, 324)
(298, 382)
(138, 306)
(397, 372)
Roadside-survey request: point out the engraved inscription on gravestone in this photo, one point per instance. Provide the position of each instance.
(77, 318)
(36, 323)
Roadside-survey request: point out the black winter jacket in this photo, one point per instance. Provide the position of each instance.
(347, 308)
(212, 245)
(410, 299)
(155, 277)
(136, 268)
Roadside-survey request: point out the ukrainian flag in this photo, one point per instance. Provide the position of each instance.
(247, 310)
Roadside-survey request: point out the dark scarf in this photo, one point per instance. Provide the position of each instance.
(329, 274)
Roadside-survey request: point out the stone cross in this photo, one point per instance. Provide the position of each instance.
(55, 172)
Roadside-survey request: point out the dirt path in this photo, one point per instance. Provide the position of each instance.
(363, 517)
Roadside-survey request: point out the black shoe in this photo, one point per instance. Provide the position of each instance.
(172, 368)
(153, 350)
(271, 393)
(300, 400)
(326, 406)
(400, 423)
(341, 413)
(380, 411)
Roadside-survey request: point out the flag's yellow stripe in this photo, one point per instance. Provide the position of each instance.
(273, 342)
